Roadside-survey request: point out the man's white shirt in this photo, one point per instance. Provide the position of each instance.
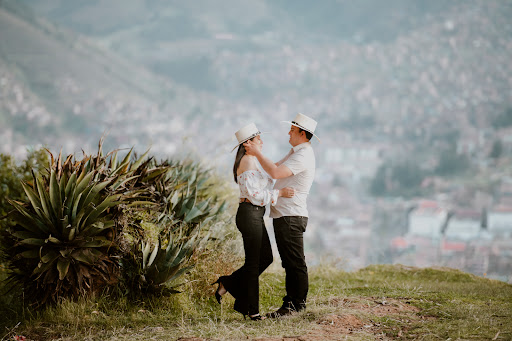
(302, 164)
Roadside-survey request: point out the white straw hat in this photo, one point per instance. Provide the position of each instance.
(304, 122)
(246, 133)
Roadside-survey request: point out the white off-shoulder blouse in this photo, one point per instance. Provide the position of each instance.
(257, 186)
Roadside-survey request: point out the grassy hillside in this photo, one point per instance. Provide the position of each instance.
(378, 302)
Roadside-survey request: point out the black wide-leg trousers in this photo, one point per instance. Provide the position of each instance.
(289, 232)
(243, 284)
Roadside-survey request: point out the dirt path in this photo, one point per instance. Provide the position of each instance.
(359, 317)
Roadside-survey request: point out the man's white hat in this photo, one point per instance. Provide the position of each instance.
(304, 122)
(246, 133)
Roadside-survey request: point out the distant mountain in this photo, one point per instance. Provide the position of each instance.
(61, 89)
(410, 73)
(180, 39)
(371, 20)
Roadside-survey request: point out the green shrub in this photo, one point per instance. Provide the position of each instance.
(85, 225)
(12, 173)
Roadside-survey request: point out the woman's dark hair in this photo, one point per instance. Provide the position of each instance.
(239, 155)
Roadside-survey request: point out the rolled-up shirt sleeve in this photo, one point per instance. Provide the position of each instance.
(257, 189)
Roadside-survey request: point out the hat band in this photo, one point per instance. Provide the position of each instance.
(252, 136)
(302, 127)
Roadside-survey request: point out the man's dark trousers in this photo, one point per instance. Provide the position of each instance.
(289, 232)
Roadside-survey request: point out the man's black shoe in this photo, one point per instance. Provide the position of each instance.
(283, 311)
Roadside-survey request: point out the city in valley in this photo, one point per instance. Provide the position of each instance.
(414, 113)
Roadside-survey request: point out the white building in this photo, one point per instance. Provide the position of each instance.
(499, 221)
(427, 220)
(463, 225)
(355, 160)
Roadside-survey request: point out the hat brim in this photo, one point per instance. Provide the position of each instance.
(301, 127)
(247, 139)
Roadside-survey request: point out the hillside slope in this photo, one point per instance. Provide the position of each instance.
(364, 65)
(410, 74)
(60, 86)
(374, 303)
(181, 39)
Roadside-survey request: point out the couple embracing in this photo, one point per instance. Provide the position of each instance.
(255, 175)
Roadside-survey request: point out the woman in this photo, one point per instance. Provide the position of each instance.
(256, 191)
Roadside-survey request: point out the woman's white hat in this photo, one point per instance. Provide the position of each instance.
(304, 122)
(246, 133)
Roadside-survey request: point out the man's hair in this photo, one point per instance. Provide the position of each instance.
(309, 135)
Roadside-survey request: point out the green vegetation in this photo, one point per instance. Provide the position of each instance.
(451, 163)
(398, 178)
(404, 177)
(497, 149)
(503, 120)
(103, 225)
(378, 301)
(12, 173)
(103, 248)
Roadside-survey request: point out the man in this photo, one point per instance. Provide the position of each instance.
(290, 215)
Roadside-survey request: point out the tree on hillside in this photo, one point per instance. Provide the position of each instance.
(408, 174)
(503, 120)
(378, 184)
(401, 178)
(451, 163)
(497, 149)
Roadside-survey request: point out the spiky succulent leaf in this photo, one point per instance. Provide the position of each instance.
(154, 254)
(66, 216)
(63, 267)
(64, 236)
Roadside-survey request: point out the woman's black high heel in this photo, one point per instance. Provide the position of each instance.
(218, 296)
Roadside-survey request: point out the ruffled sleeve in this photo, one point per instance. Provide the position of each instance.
(257, 188)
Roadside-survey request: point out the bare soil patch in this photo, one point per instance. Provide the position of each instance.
(377, 306)
(355, 316)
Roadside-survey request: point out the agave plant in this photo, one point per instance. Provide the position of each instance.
(66, 239)
(164, 264)
(60, 241)
(193, 203)
(176, 195)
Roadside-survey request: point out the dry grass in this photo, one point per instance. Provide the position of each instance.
(378, 302)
